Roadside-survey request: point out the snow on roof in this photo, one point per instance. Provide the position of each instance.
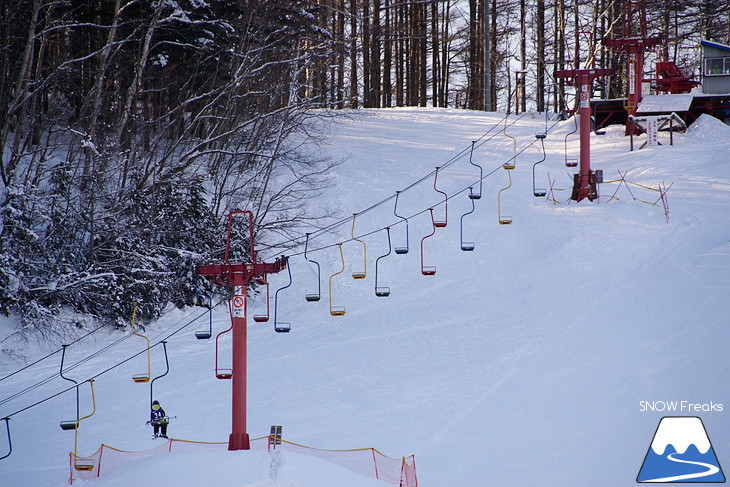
(665, 103)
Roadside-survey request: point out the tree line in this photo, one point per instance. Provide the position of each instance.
(129, 128)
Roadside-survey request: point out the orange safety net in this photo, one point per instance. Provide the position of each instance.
(365, 461)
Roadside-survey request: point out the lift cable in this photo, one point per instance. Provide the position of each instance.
(110, 368)
(418, 213)
(483, 139)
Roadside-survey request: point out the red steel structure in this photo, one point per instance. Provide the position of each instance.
(585, 183)
(633, 47)
(238, 275)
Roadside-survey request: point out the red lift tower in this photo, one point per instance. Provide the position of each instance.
(238, 275)
(585, 183)
(633, 47)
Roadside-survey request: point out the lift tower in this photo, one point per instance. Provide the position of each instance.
(633, 47)
(239, 275)
(585, 183)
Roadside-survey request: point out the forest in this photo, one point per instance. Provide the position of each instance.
(130, 128)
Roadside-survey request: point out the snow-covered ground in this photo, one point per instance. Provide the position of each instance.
(529, 361)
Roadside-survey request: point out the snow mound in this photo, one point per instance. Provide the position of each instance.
(707, 127)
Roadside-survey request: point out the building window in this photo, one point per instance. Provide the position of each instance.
(717, 66)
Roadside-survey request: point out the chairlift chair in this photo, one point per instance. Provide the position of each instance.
(220, 372)
(264, 318)
(359, 275)
(400, 250)
(571, 161)
(81, 463)
(441, 223)
(141, 378)
(539, 192)
(337, 310)
(313, 297)
(280, 327)
(472, 194)
(466, 246)
(382, 291)
(73, 424)
(205, 334)
(428, 270)
(503, 219)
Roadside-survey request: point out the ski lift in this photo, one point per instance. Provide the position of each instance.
(359, 275)
(69, 425)
(313, 297)
(400, 250)
(141, 378)
(571, 162)
(504, 220)
(280, 327)
(382, 291)
(10, 442)
(263, 318)
(337, 310)
(167, 370)
(473, 195)
(428, 270)
(441, 223)
(539, 192)
(205, 334)
(467, 246)
(81, 463)
(221, 373)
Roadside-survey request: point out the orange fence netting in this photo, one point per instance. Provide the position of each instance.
(365, 461)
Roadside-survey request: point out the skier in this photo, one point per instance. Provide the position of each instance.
(158, 420)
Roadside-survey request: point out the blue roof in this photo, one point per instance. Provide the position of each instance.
(715, 45)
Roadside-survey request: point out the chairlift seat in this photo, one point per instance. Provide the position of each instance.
(439, 224)
(68, 425)
(475, 196)
(358, 275)
(84, 464)
(337, 311)
(540, 192)
(600, 132)
(509, 165)
(401, 250)
(202, 335)
(382, 291)
(467, 246)
(312, 297)
(282, 327)
(540, 136)
(224, 373)
(505, 220)
(261, 318)
(428, 270)
(141, 378)
(571, 162)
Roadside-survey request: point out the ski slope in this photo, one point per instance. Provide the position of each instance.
(522, 363)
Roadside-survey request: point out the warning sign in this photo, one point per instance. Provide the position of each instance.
(584, 100)
(239, 306)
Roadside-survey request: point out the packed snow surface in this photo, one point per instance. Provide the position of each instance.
(544, 357)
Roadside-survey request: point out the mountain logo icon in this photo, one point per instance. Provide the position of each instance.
(680, 452)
